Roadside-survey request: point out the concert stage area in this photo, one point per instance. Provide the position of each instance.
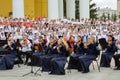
(17, 72)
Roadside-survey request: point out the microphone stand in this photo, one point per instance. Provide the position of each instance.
(31, 71)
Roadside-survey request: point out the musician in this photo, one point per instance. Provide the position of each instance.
(39, 51)
(50, 52)
(2, 36)
(26, 48)
(78, 51)
(89, 56)
(107, 55)
(117, 57)
(58, 62)
(7, 61)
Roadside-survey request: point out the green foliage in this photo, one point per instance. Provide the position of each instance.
(115, 17)
(93, 10)
(64, 6)
(108, 16)
(119, 15)
(103, 16)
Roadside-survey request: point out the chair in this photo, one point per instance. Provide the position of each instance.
(67, 62)
(69, 70)
(98, 66)
(96, 60)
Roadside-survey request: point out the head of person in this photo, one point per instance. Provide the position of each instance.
(24, 37)
(60, 42)
(10, 41)
(110, 38)
(92, 39)
(79, 39)
(40, 40)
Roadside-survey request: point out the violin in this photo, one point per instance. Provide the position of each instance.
(71, 42)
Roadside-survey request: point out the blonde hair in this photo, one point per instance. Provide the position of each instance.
(65, 43)
(92, 38)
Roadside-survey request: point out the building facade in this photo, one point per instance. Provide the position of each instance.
(106, 11)
(52, 9)
(118, 6)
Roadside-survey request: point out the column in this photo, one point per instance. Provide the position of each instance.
(18, 8)
(61, 9)
(84, 9)
(70, 4)
(53, 9)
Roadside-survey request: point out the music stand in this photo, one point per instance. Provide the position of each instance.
(31, 71)
(103, 43)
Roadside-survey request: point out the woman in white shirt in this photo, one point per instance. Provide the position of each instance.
(26, 48)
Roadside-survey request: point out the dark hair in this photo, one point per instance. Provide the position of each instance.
(81, 38)
(112, 37)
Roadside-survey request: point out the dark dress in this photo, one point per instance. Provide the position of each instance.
(107, 56)
(50, 52)
(79, 51)
(87, 58)
(58, 62)
(7, 61)
(36, 56)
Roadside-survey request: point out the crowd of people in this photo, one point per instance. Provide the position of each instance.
(48, 43)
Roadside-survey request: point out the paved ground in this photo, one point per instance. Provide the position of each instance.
(16, 74)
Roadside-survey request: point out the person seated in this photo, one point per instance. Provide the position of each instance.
(117, 57)
(7, 61)
(39, 51)
(78, 51)
(89, 56)
(58, 62)
(26, 48)
(110, 51)
(50, 52)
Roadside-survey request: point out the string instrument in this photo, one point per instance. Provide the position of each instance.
(39, 47)
(71, 42)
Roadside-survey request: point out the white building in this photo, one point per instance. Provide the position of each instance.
(55, 8)
(106, 11)
(118, 6)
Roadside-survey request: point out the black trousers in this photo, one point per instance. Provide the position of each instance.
(117, 60)
(28, 55)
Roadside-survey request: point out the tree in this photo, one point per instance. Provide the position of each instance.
(77, 16)
(108, 15)
(103, 16)
(115, 17)
(119, 15)
(64, 3)
(93, 10)
(112, 16)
